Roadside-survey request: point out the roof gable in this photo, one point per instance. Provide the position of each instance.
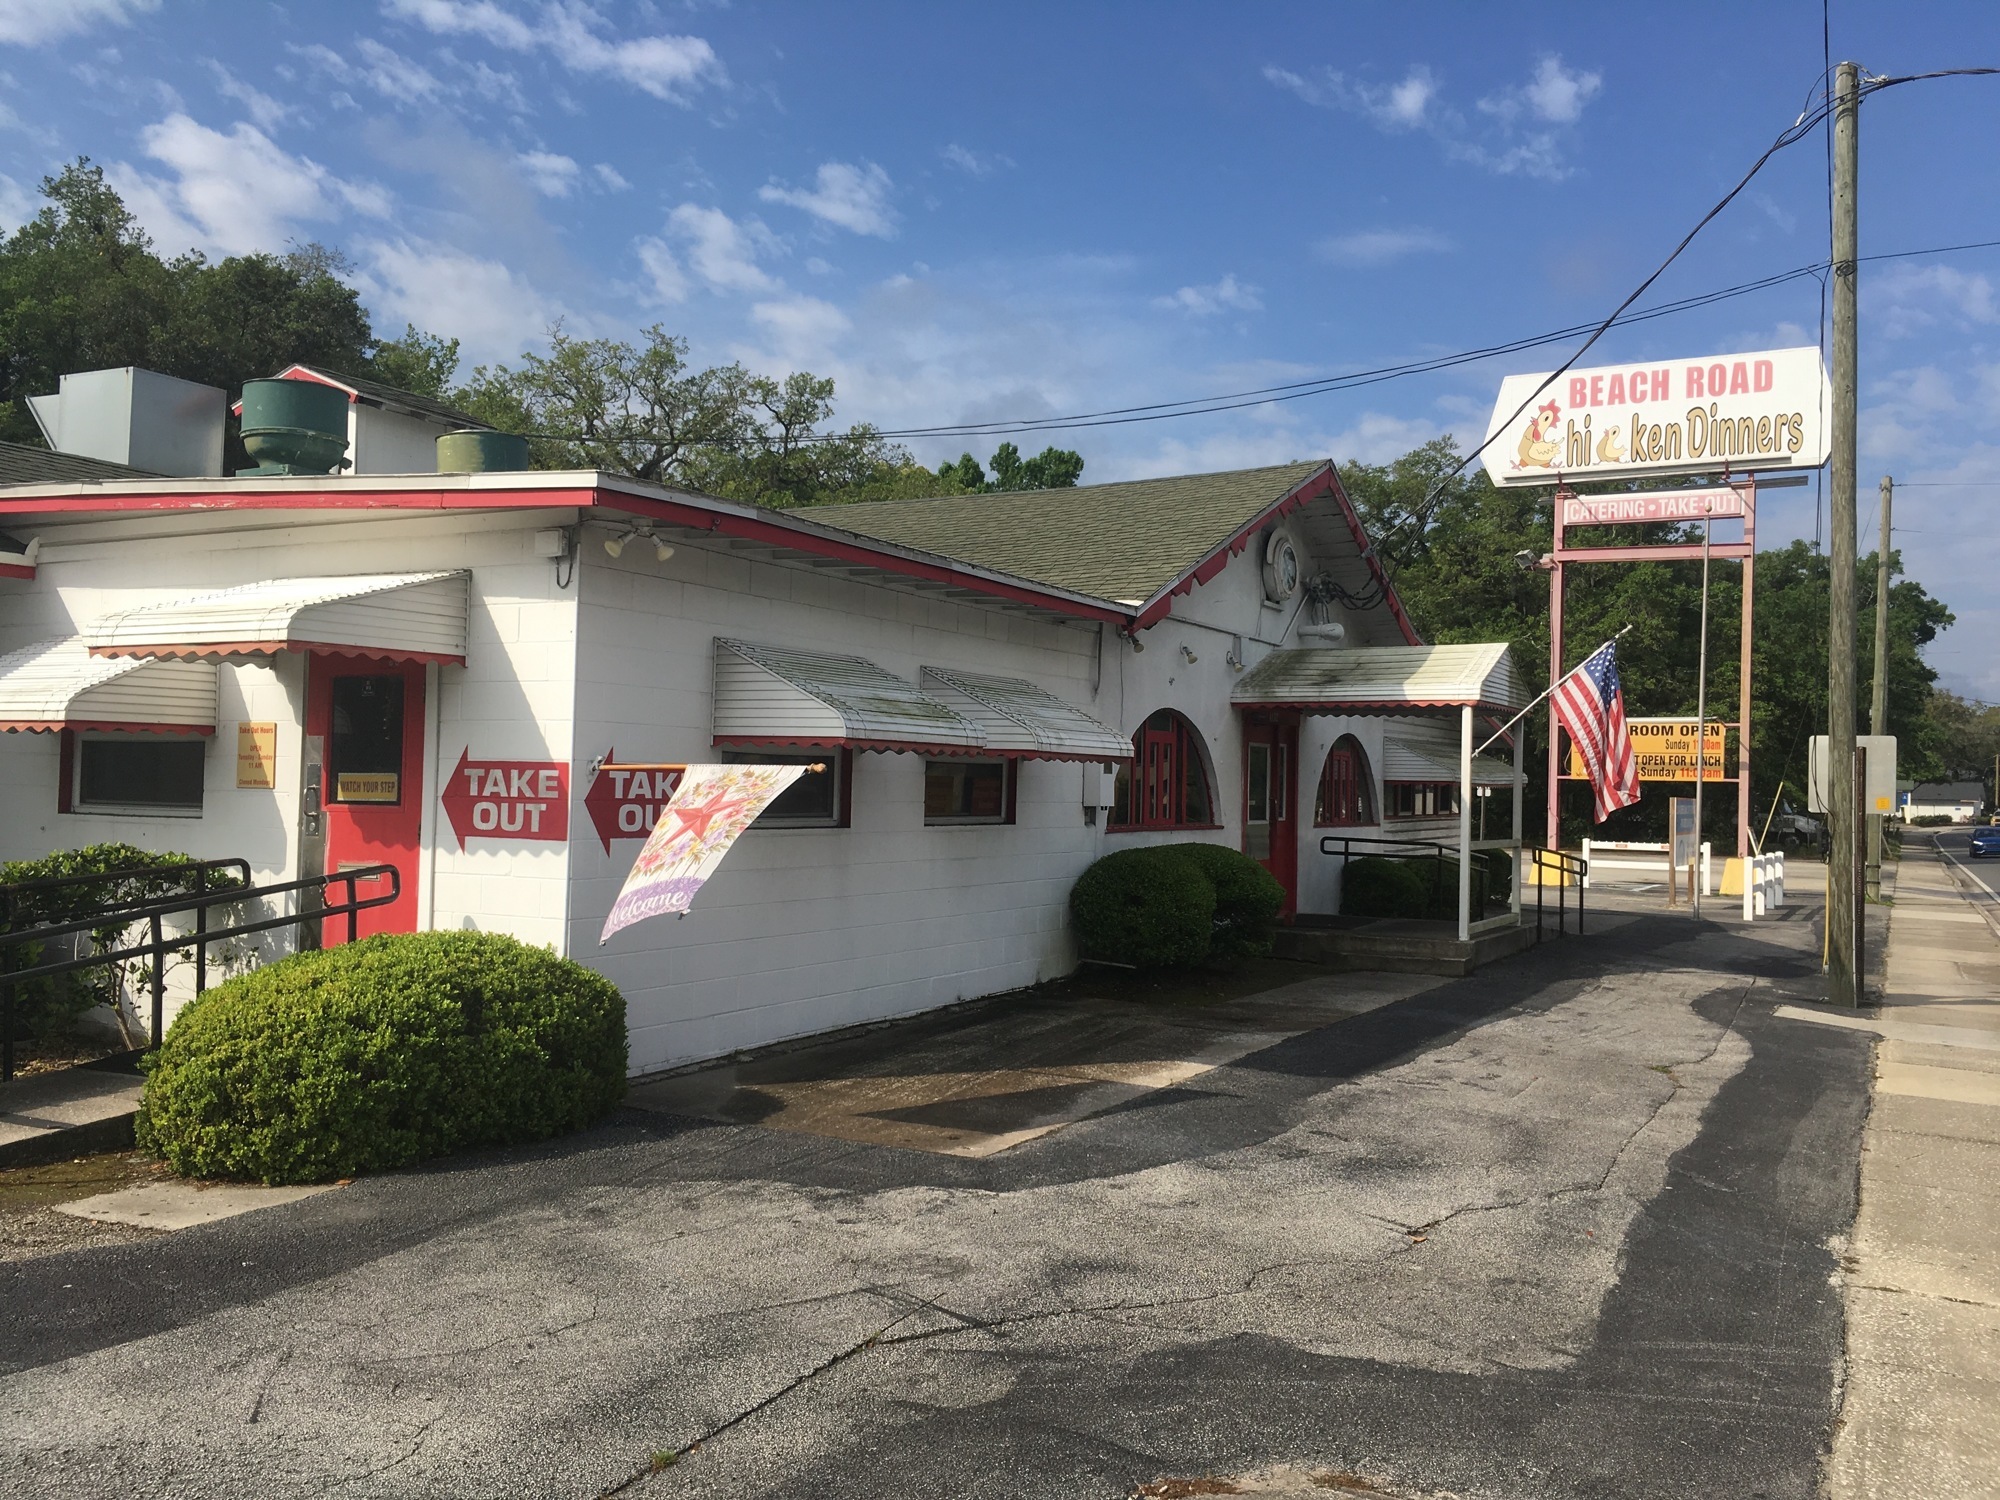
(375, 393)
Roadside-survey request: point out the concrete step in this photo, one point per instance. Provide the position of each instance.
(54, 1116)
(1397, 945)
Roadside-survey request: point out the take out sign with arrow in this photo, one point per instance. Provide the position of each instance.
(625, 801)
(511, 800)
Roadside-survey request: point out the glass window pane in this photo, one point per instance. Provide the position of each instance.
(1260, 783)
(965, 791)
(164, 772)
(365, 750)
(813, 799)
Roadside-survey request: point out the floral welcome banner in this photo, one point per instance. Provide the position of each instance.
(711, 806)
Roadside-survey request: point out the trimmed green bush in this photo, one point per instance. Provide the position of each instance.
(1146, 907)
(1248, 899)
(46, 1005)
(1380, 887)
(381, 1053)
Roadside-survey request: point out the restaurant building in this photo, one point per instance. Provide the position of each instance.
(487, 679)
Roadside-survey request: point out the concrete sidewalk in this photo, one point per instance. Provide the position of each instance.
(1921, 1414)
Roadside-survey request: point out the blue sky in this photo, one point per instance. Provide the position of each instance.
(974, 213)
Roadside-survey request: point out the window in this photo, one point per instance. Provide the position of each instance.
(143, 773)
(1421, 799)
(1165, 784)
(817, 799)
(365, 756)
(968, 791)
(1346, 788)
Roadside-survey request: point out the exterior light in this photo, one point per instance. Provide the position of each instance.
(1188, 652)
(615, 545)
(1524, 560)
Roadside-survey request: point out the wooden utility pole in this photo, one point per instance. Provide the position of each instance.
(1842, 910)
(1878, 702)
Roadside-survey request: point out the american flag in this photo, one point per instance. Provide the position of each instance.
(1590, 704)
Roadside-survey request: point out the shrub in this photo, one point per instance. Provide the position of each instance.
(1144, 907)
(1248, 899)
(47, 1005)
(1380, 887)
(1932, 820)
(381, 1053)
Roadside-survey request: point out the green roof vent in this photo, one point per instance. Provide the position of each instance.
(480, 450)
(294, 427)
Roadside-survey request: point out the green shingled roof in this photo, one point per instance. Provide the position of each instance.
(1124, 542)
(22, 464)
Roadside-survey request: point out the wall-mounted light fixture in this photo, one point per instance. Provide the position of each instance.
(1188, 652)
(639, 531)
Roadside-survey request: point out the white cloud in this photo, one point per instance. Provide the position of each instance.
(267, 113)
(668, 282)
(1906, 298)
(818, 267)
(667, 67)
(1378, 247)
(553, 176)
(30, 23)
(611, 178)
(1554, 95)
(493, 311)
(383, 69)
(801, 330)
(847, 196)
(1203, 301)
(721, 251)
(974, 163)
(1403, 105)
(17, 205)
(236, 192)
(1529, 124)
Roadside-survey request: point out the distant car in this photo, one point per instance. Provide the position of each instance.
(1984, 841)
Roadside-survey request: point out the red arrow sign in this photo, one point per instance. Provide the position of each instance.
(508, 799)
(624, 801)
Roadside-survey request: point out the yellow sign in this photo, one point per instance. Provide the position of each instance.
(256, 755)
(1664, 750)
(366, 786)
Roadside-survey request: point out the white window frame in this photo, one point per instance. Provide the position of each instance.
(80, 804)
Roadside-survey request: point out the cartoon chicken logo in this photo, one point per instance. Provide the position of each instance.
(1538, 450)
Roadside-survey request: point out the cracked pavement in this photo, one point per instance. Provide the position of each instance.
(1566, 1227)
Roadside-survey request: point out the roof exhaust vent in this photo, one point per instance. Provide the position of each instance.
(476, 450)
(294, 427)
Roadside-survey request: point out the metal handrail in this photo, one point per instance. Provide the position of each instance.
(1566, 865)
(154, 913)
(1440, 852)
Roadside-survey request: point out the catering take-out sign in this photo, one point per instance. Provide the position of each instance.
(1740, 412)
(625, 800)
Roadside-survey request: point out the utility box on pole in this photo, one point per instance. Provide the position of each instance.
(1878, 793)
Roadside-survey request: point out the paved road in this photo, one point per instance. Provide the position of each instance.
(1565, 1228)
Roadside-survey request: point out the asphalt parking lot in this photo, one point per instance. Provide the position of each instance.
(1570, 1226)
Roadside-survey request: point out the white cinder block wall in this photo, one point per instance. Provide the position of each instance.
(512, 700)
(803, 930)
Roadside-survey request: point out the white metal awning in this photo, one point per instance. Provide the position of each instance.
(1017, 718)
(1406, 759)
(403, 616)
(1384, 679)
(55, 685)
(771, 695)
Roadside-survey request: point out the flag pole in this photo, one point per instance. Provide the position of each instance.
(1541, 697)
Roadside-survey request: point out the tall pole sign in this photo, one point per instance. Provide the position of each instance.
(1842, 899)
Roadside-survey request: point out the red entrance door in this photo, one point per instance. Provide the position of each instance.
(1270, 801)
(368, 715)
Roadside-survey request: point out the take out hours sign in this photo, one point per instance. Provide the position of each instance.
(1740, 412)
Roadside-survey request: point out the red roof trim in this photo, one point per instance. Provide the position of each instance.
(217, 650)
(17, 570)
(51, 726)
(1322, 483)
(1360, 535)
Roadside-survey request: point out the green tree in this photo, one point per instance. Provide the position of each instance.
(1051, 469)
(419, 362)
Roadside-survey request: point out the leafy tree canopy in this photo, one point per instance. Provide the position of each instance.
(1051, 469)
